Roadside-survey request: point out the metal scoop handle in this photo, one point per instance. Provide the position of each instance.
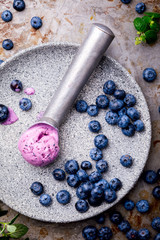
(82, 66)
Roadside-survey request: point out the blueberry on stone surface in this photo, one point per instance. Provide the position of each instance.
(156, 192)
(102, 166)
(92, 110)
(63, 197)
(142, 206)
(25, 104)
(130, 100)
(115, 217)
(82, 175)
(4, 113)
(116, 104)
(6, 16)
(102, 101)
(110, 195)
(105, 233)
(86, 165)
(100, 218)
(71, 166)
(7, 44)
(144, 234)
(59, 174)
(95, 177)
(133, 113)
(124, 226)
(90, 233)
(126, 161)
(16, 86)
(140, 7)
(156, 224)
(138, 125)
(115, 184)
(37, 188)
(123, 121)
(128, 205)
(111, 118)
(95, 154)
(82, 206)
(73, 180)
(81, 106)
(132, 234)
(129, 131)
(19, 5)
(36, 22)
(150, 176)
(1, 61)
(126, 1)
(157, 237)
(101, 141)
(94, 126)
(119, 94)
(149, 74)
(109, 87)
(45, 200)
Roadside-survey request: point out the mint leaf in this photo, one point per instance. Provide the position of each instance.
(11, 228)
(152, 14)
(140, 25)
(20, 231)
(154, 26)
(147, 19)
(14, 219)
(151, 36)
(2, 213)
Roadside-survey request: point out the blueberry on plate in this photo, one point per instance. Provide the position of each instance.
(73, 180)
(105, 233)
(115, 217)
(102, 166)
(36, 22)
(130, 100)
(97, 193)
(122, 112)
(82, 206)
(81, 106)
(133, 113)
(111, 118)
(139, 126)
(71, 166)
(156, 192)
(95, 154)
(92, 110)
(45, 200)
(37, 188)
(89, 233)
(19, 5)
(25, 104)
(124, 226)
(82, 175)
(110, 195)
(101, 141)
(95, 202)
(144, 234)
(128, 205)
(102, 101)
(103, 184)
(115, 184)
(16, 86)
(156, 224)
(87, 187)
(63, 197)
(1, 61)
(140, 7)
(157, 237)
(7, 44)
(123, 121)
(126, 161)
(132, 234)
(116, 104)
(81, 193)
(94, 126)
(4, 113)
(126, 1)
(6, 16)
(109, 87)
(119, 94)
(142, 206)
(149, 74)
(95, 177)
(59, 174)
(86, 165)
(100, 218)
(150, 176)
(129, 131)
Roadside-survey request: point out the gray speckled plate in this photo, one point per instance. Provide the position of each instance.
(42, 68)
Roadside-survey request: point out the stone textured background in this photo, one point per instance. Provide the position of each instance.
(68, 21)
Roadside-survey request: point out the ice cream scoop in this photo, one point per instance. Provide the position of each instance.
(39, 144)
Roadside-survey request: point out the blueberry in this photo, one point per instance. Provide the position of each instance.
(81, 106)
(71, 166)
(6, 16)
(92, 110)
(89, 233)
(7, 44)
(111, 118)
(116, 104)
(95, 202)
(157, 237)
(102, 166)
(115, 184)
(82, 206)
(63, 197)
(130, 100)
(126, 1)
(129, 131)
(45, 200)
(81, 193)
(59, 174)
(126, 161)
(129, 205)
(115, 217)
(37, 188)
(123, 121)
(140, 7)
(25, 104)
(158, 173)
(102, 101)
(101, 141)
(19, 5)
(97, 193)
(100, 218)
(119, 94)
(133, 113)
(1, 61)
(103, 184)
(94, 126)
(82, 175)
(95, 177)
(124, 226)
(73, 180)
(149, 74)
(87, 187)
(109, 87)
(150, 176)
(36, 22)
(95, 154)
(16, 86)
(105, 233)
(122, 112)
(110, 195)
(144, 234)
(142, 206)
(156, 224)
(86, 165)
(156, 192)
(139, 126)
(4, 113)
(132, 234)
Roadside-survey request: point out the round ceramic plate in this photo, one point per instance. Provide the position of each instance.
(42, 68)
